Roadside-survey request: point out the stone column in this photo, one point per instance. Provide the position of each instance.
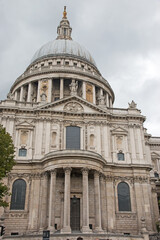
(84, 90)
(15, 95)
(110, 101)
(94, 95)
(147, 207)
(103, 202)
(98, 225)
(85, 210)
(61, 87)
(52, 199)
(43, 201)
(29, 92)
(139, 201)
(107, 100)
(110, 204)
(66, 219)
(49, 90)
(101, 92)
(21, 94)
(38, 91)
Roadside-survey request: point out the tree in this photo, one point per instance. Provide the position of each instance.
(6, 162)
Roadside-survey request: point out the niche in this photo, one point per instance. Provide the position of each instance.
(54, 140)
(92, 141)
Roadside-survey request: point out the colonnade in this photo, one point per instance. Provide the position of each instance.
(99, 200)
(27, 93)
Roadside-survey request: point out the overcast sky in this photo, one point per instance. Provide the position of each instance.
(123, 36)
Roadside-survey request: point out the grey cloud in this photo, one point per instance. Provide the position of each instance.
(122, 36)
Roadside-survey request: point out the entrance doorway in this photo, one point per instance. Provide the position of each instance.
(75, 214)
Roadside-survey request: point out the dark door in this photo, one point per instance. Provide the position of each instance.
(75, 214)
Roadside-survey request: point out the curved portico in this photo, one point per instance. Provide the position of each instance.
(77, 182)
(71, 167)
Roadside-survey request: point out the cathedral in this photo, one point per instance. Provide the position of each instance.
(85, 170)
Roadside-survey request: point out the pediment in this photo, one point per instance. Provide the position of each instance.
(119, 130)
(24, 125)
(72, 104)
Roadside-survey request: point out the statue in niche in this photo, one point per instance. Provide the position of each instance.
(102, 100)
(34, 94)
(132, 105)
(73, 87)
(43, 97)
(25, 95)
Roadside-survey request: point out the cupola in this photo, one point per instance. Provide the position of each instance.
(64, 30)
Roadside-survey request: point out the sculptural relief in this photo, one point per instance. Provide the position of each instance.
(73, 107)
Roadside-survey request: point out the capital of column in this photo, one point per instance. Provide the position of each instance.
(53, 172)
(96, 174)
(67, 170)
(85, 171)
(102, 177)
(44, 175)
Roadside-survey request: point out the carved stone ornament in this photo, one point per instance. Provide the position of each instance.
(85, 171)
(126, 216)
(67, 170)
(132, 105)
(73, 107)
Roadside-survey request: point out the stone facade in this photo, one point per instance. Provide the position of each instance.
(61, 90)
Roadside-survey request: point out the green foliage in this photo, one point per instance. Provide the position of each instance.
(6, 162)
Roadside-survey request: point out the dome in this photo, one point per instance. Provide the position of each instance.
(63, 47)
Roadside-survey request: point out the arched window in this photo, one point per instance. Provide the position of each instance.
(72, 137)
(18, 195)
(156, 175)
(124, 203)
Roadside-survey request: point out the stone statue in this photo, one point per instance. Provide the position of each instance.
(10, 96)
(132, 105)
(101, 100)
(73, 87)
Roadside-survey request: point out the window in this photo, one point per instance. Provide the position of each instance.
(56, 98)
(120, 156)
(18, 195)
(22, 152)
(156, 175)
(72, 137)
(58, 63)
(124, 203)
